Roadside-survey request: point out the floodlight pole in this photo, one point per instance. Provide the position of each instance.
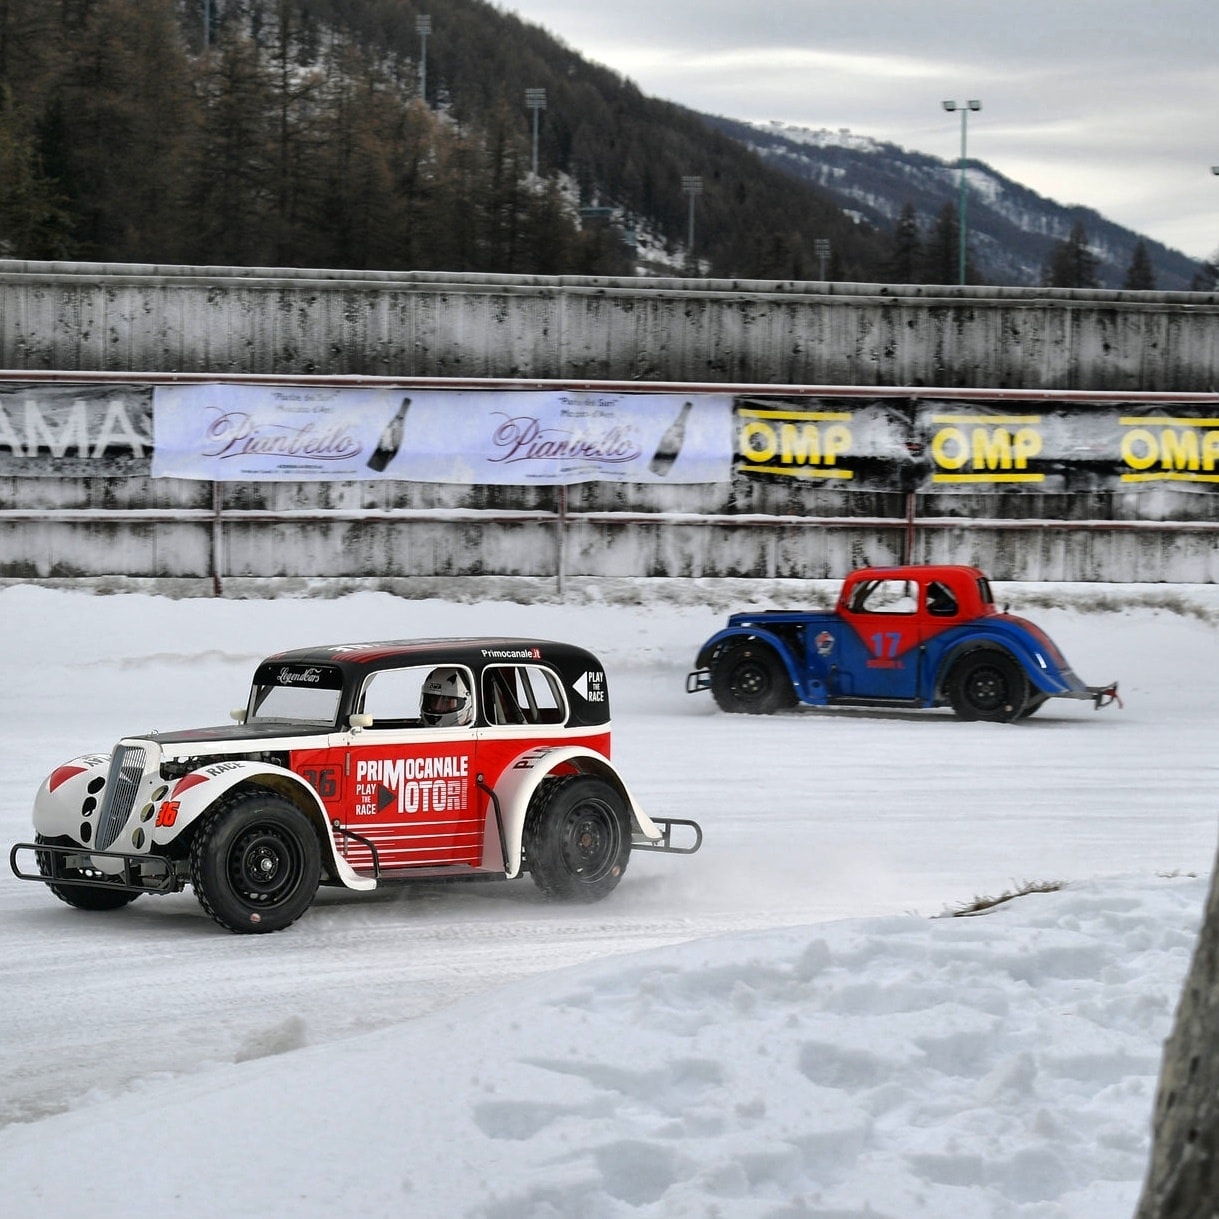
(535, 99)
(692, 185)
(821, 247)
(965, 108)
(423, 27)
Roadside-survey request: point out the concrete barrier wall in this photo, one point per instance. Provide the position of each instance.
(72, 316)
(64, 318)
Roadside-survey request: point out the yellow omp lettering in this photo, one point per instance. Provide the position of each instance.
(1183, 450)
(995, 448)
(1139, 448)
(758, 441)
(778, 442)
(810, 444)
(949, 448)
(999, 449)
(1179, 450)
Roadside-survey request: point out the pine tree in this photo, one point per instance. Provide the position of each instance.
(1140, 275)
(939, 261)
(902, 265)
(1072, 264)
(127, 117)
(1206, 277)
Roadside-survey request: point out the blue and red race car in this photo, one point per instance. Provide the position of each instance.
(914, 636)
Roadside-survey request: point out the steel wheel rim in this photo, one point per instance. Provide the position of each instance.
(591, 839)
(265, 866)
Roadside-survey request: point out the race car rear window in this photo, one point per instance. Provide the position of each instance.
(523, 694)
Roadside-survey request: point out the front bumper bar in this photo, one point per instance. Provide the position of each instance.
(134, 874)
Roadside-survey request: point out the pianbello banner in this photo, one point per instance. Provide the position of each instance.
(298, 434)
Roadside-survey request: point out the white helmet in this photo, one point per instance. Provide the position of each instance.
(445, 699)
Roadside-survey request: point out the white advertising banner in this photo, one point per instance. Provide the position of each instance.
(514, 437)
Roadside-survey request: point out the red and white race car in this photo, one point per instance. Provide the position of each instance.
(356, 765)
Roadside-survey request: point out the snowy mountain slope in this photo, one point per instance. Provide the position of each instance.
(1011, 228)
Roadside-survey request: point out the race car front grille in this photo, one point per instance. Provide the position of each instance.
(122, 786)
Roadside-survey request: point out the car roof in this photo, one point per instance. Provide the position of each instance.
(915, 571)
(475, 652)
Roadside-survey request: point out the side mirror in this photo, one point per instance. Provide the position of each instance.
(238, 714)
(360, 720)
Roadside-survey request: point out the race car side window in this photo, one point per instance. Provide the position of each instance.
(940, 600)
(523, 694)
(392, 696)
(884, 597)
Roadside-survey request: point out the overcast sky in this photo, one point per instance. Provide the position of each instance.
(1113, 104)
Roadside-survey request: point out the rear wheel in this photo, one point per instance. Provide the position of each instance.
(749, 679)
(255, 863)
(988, 685)
(577, 838)
(83, 897)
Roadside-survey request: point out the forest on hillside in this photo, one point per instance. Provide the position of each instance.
(402, 135)
(333, 133)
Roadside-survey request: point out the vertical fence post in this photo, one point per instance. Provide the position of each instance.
(217, 538)
(560, 559)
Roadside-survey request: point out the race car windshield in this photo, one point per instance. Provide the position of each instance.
(299, 694)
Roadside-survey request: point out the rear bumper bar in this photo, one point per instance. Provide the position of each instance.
(665, 841)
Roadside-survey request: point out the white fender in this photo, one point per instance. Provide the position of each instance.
(192, 795)
(519, 781)
(58, 804)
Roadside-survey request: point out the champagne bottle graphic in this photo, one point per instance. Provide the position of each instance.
(391, 439)
(671, 442)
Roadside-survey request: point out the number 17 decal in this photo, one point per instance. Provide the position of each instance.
(886, 644)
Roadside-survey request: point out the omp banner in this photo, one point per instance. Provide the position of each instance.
(1054, 448)
(75, 430)
(509, 437)
(944, 445)
(858, 444)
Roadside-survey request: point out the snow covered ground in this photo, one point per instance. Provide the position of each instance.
(782, 1025)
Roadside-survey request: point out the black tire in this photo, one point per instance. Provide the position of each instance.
(577, 838)
(749, 679)
(1035, 702)
(82, 897)
(988, 685)
(255, 863)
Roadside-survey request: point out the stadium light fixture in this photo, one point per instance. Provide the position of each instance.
(535, 100)
(964, 108)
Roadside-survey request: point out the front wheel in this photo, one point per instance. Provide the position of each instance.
(577, 838)
(749, 679)
(82, 897)
(255, 863)
(988, 686)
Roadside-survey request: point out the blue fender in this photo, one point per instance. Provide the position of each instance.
(1044, 666)
(779, 645)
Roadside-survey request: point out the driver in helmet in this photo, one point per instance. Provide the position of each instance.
(445, 699)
